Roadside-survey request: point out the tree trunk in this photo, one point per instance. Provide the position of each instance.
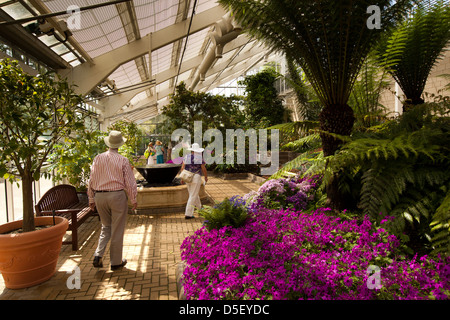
(411, 103)
(337, 119)
(27, 196)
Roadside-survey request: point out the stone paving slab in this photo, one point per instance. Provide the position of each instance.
(151, 246)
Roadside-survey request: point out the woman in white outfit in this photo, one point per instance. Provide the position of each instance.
(194, 163)
(149, 153)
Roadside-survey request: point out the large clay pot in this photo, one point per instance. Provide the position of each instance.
(30, 258)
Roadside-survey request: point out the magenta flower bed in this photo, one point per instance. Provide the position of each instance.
(289, 254)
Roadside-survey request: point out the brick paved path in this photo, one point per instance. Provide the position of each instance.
(151, 246)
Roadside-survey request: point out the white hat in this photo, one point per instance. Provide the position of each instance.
(196, 148)
(115, 139)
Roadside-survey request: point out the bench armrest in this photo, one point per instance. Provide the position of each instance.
(46, 212)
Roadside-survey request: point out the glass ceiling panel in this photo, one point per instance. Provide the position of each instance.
(126, 75)
(163, 86)
(69, 57)
(161, 58)
(203, 5)
(195, 43)
(102, 30)
(184, 76)
(139, 97)
(60, 49)
(17, 11)
(48, 40)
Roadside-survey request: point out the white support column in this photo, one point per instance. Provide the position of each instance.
(398, 104)
(9, 200)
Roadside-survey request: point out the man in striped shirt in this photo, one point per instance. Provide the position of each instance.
(110, 182)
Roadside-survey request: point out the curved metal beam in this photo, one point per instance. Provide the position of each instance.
(87, 76)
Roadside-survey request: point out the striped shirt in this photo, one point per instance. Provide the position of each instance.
(111, 171)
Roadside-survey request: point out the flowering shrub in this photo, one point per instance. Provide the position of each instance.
(281, 193)
(289, 254)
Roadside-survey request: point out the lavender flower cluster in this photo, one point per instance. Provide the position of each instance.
(287, 253)
(281, 193)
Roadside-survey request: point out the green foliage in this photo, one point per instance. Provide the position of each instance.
(263, 107)
(308, 105)
(290, 131)
(308, 163)
(365, 95)
(225, 213)
(72, 159)
(413, 49)
(132, 133)
(400, 168)
(440, 225)
(328, 39)
(404, 171)
(215, 111)
(35, 113)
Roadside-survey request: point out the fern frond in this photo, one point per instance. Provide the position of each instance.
(440, 226)
(312, 140)
(441, 218)
(308, 163)
(296, 127)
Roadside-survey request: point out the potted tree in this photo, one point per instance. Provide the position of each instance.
(35, 112)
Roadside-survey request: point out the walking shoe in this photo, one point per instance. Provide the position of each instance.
(189, 217)
(119, 266)
(98, 263)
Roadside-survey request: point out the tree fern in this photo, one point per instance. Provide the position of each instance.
(329, 40)
(403, 166)
(414, 48)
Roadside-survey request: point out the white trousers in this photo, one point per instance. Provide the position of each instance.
(194, 197)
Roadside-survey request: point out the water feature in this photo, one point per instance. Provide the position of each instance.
(159, 191)
(159, 175)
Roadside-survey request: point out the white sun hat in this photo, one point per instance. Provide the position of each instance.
(115, 139)
(196, 148)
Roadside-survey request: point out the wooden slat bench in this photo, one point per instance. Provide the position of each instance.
(63, 200)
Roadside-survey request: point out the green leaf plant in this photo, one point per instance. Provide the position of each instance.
(329, 40)
(36, 112)
(402, 170)
(397, 171)
(72, 157)
(413, 49)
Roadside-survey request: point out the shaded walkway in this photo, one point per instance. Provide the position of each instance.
(151, 246)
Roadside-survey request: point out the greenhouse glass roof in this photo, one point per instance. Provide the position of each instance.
(127, 57)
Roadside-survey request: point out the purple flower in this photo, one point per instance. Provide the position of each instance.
(287, 253)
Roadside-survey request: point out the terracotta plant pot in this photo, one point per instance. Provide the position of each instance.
(30, 258)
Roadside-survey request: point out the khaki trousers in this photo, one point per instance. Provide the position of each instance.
(112, 208)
